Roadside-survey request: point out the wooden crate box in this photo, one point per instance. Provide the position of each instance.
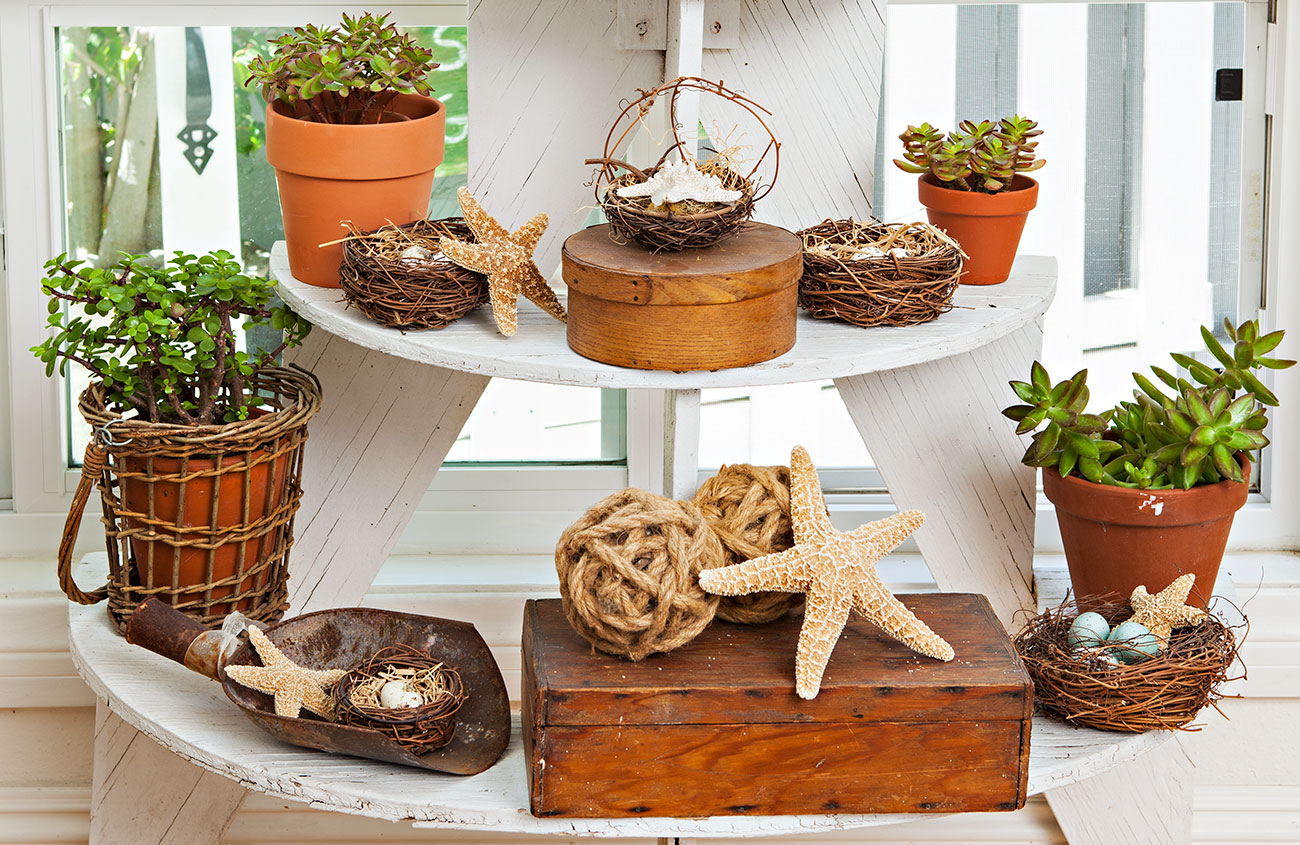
(715, 728)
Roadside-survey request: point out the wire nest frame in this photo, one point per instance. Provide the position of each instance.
(417, 729)
(198, 516)
(1164, 692)
(410, 293)
(686, 225)
(878, 274)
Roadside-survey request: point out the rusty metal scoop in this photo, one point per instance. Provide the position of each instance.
(344, 639)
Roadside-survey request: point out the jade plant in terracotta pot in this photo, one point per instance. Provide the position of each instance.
(196, 442)
(351, 132)
(1146, 491)
(974, 187)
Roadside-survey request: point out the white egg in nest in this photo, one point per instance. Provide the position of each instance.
(397, 695)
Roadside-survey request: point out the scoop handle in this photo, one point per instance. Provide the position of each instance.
(164, 630)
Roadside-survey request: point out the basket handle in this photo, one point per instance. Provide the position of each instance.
(92, 470)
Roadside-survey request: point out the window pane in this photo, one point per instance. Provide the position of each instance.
(131, 185)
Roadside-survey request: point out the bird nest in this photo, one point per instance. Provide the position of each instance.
(878, 274)
(422, 289)
(676, 226)
(1164, 692)
(417, 729)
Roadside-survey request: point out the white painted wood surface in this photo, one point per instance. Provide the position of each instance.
(935, 432)
(191, 717)
(825, 349)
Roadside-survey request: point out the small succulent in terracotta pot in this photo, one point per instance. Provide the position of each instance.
(974, 187)
(1146, 491)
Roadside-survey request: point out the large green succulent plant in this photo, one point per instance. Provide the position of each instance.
(984, 156)
(1158, 440)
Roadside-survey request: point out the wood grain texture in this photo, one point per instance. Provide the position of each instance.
(1147, 800)
(384, 428)
(543, 110)
(826, 349)
(714, 728)
(733, 674)
(142, 792)
(937, 435)
(834, 48)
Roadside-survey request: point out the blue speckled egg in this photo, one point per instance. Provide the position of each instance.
(1088, 630)
(1133, 642)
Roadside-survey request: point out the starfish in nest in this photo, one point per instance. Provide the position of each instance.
(1167, 609)
(294, 687)
(507, 259)
(837, 571)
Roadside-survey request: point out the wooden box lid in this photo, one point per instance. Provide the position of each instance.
(744, 674)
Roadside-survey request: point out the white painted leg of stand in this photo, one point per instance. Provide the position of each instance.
(385, 426)
(685, 57)
(143, 793)
(937, 435)
(681, 443)
(1147, 800)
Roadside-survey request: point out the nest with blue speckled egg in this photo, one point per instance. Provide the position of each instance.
(1165, 692)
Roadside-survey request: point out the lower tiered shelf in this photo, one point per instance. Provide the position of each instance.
(189, 715)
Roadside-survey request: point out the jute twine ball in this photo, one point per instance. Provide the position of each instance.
(629, 572)
(748, 508)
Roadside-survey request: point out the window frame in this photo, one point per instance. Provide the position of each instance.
(30, 225)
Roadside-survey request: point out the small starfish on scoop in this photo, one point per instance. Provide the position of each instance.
(507, 259)
(837, 571)
(293, 686)
(1167, 609)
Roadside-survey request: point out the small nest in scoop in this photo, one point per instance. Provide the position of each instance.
(417, 729)
(674, 227)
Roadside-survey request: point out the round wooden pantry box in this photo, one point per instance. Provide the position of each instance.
(730, 305)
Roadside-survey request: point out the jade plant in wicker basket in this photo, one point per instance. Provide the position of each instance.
(1146, 491)
(195, 442)
(974, 187)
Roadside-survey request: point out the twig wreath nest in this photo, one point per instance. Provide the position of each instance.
(629, 573)
(1164, 692)
(398, 276)
(878, 274)
(672, 217)
(748, 507)
(418, 729)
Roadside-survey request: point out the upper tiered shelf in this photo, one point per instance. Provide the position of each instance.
(824, 349)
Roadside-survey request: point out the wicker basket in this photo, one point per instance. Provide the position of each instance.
(661, 231)
(1162, 693)
(199, 516)
(842, 280)
(407, 294)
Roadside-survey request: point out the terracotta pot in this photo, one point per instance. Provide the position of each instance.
(988, 226)
(1116, 538)
(188, 565)
(370, 174)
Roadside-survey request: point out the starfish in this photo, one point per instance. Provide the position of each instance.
(293, 686)
(837, 571)
(507, 259)
(1167, 609)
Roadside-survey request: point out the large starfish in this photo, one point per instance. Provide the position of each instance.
(1167, 609)
(293, 686)
(507, 259)
(837, 571)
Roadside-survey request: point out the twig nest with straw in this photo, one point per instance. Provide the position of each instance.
(405, 693)
(629, 573)
(878, 274)
(1087, 680)
(748, 507)
(398, 276)
(681, 202)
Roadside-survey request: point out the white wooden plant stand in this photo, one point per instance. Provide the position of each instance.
(925, 399)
